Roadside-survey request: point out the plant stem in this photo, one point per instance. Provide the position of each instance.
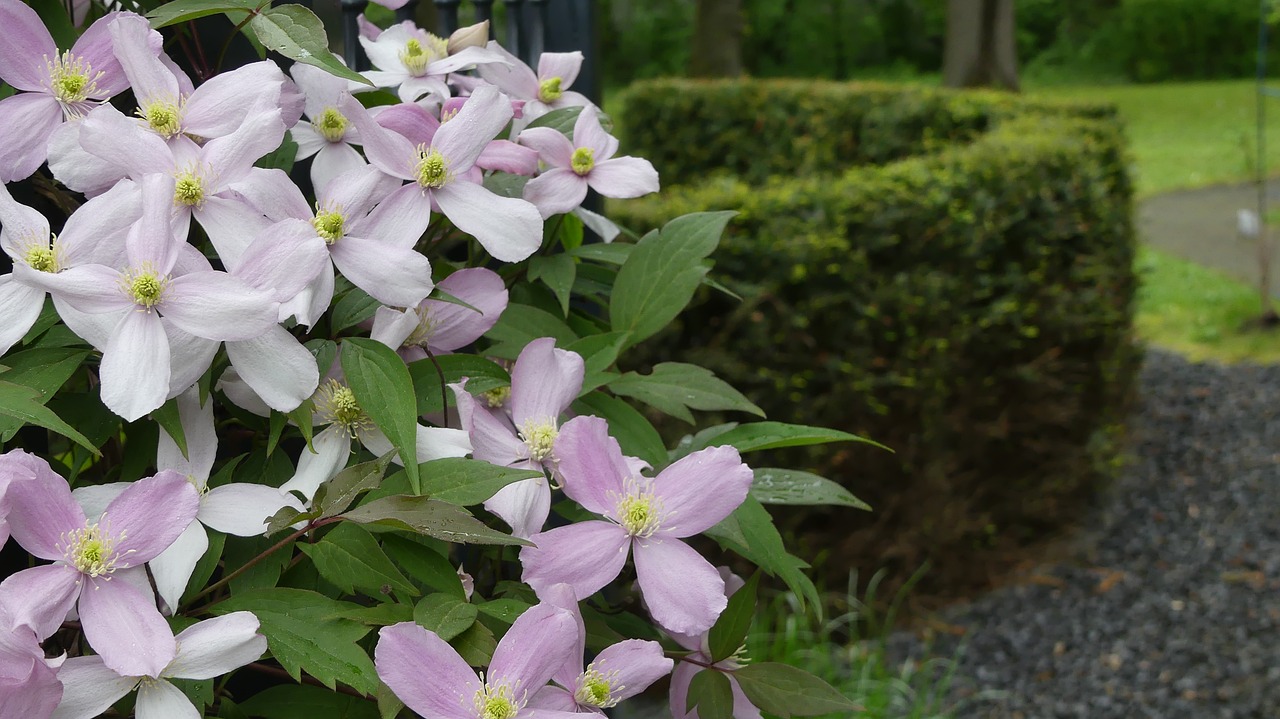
(222, 54)
(444, 390)
(268, 552)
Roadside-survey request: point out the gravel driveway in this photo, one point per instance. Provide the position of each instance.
(1169, 605)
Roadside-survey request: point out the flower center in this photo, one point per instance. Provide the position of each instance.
(498, 396)
(539, 437)
(416, 56)
(639, 510)
(144, 286)
(596, 689)
(331, 124)
(584, 158)
(71, 79)
(432, 171)
(329, 225)
(337, 404)
(549, 90)
(91, 549)
(189, 189)
(496, 702)
(42, 259)
(163, 118)
(421, 335)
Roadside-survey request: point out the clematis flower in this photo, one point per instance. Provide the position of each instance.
(544, 382)
(419, 127)
(97, 566)
(206, 650)
(648, 516)
(510, 229)
(684, 672)
(329, 136)
(29, 686)
(418, 62)
(619, 671)
(53, 87)
(588, 161)
(431, 678)
(542, 92)
(443, 327)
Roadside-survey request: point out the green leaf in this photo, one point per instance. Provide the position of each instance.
(467, 481)
(355, 306)
(614, 253)
(382, 615)
(350, 558)
(792, 486)
(307, 702)
(424, 564)
(432, 518)
(280, 158)
(476, 645)
(302, 416)
(53, 13)
(205, 567)
(333, 497)
(729, 632)
(306, 632)
(389, 705)
(483, 375)
(675, 387)
(296, 32)
(43, 369)
(561, 120)
(506, 611)
(598, 353)
(787, 691)
(662, 273)
(167, 417)
(755, 436)
(634, 433)
(710, 692)
(445, 615)
(521, 324)
(556, 272)
(24, 404)
(750, 532)
(384, 390)
(183, 10)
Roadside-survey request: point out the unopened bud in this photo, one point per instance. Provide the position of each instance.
(470, 36)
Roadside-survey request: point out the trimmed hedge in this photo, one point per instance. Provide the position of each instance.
(970, 307)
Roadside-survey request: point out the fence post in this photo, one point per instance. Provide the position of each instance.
(352, 50)
(570, 25)
(448, 16)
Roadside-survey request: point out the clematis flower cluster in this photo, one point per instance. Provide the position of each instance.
(232, 250)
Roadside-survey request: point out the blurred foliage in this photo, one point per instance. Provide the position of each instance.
(970, 307)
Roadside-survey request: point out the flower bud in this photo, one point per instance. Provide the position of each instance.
(471, 36)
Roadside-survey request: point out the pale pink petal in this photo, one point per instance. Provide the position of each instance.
(391, 274)
(564, 65)
(355, 193)
(311, 303)
(511, 76)
(150, 514)
(321, 87)
(553, 698)
(455, 326)
(88, 288)
(538, 643)
(415, 89)
(333, 448)
(96, 48)
(94, 498)
(19, 222)
(334, 160)
(279, 369)
(441, 443)
(544, 382)
(223, 102)
(172, 568)
(231, 225)
(463, 138)
(22, 153)
(217, 646)
(230, 157)
(412, 121)
(77, 168)
(42, 508)
(678, 695)
(587, 132)
(23, 46)
(510, 229)
(384, 53)
(20, 306)
(556, 191)
(150, 242)
(40, 597)
(590, 464)
(623, 178)
(189, 357)
(493, 438)
(683, 591)
(586, 556)
(218, 306)
(523, 505)
(406, 654)
(240, 394)
(271, 193)
(392, 327)
(283, 259)
(124, 627)
(162, 700)
(308, 140)
(463, 59)
(400, 219)
(507, 156)
(701, 489)
(95, 328)
(96, 232)
(242, 509)
(386, 150)
(151, 81)
(89, 688)
(135, 366)
(386, 79)
(124, 143)
(552, 146)
(638, 664)
(562, 595)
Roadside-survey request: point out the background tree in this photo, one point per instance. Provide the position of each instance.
(717, 39)
(981, 48)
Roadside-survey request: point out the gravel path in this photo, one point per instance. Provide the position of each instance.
(1169, 605)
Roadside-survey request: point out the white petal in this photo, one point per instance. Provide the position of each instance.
(135, 366)
(89, 688)
(162, 700)
(243, 509)
(333, 447)
(280, 370)
(172, 568)
(20, 306)
(216, 646)
(200, 436)
(94, 498)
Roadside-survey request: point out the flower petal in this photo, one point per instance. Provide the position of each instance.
(218, 306)
(23, 47)
(334, 160)
(151, 81)
(509, 228)
(507, 156)
(564, 65)
(638, 664)
(463, 138)
(76, 167)
(88, 288)
(553, 147)
(231, 225)
(172, 568)
(523, 505)
(229, 157)
(96, 48)
(406, 654)
(391, 274)
(223, 102)
(89, 688)
(94, 498)
(107, 133)
(683, 591)
(243, 509)
(556, 191)
(96, 233)
(400, 219)
(544, 382)
(20, 224)
(590, 464)
(412, 121)
(284, 259)
(200, 435)
(135, 366)
(454, 326)
(587, 132)
(586, 556)
(41, 506)
(702, 489)
(539, 642)
(333, 447)
(124, 627)
(150, 514)
(162, 700)
(271, 193)
(217, 646)
(189, 357)
(22, 153)
(20, 306)
(623, 177)
(513, 76)
(492, 438)
(389, 152)
(278, 368)
(681, 678)
(39, 598)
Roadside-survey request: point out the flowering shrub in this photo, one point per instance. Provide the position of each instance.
(208, 377)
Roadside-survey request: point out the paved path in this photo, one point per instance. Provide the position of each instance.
(1200, 225)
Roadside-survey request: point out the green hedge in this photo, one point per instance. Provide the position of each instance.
(970, 307)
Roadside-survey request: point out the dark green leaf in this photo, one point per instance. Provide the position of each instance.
(350, 558)
(43, 369)
(476, 645)
(675, 387)
(432, 518)
(286, 517)
(792, 486)
(384, 390)
(389, 705)
(183, 10)
(556, 272)
(445, 615)
(561, 120)
(333, 497)
(355, 306)
(504, 610)
(205, 566)
(710, 692)
(280, 158)
(750, 532)
(483, 375)
(382, 615)
(296, 32)
(788, 691)
(25, 405)
(307, 702)
(634, 433)
(614, 253)
(302, 417)
(54, 15)
(521, 324)
(423, 564)
(756, 436)
(468, 481)
(598, 353)
(306, 632)
(730, 630)
(167, 417)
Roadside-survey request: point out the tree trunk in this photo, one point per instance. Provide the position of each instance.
(717, 39)
(981, 50)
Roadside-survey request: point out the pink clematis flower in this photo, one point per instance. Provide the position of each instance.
(329, 136)
(419, 127)
(97, 565)
(206, 650)
(418, 62)
(29, 686)
(439, 174)
(53, 87)
(648, 516)
(542, 92)
(701, 659)
(588, 161)
(443, 327)
(544, 382)
(431, 678)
